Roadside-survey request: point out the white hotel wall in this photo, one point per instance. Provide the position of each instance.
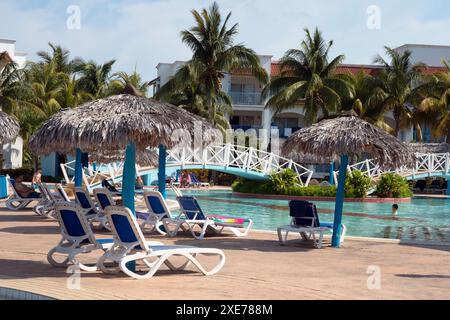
(428, 54)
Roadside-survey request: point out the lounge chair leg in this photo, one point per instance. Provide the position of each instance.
(55, 263)
(319, 243)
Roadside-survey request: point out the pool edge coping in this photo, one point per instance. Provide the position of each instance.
(324, 199)
(374, 239)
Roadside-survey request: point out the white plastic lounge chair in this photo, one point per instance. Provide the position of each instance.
(16, 202)
(48, 208)
(157, 211)
(93, 212)
(77, 237)
(62, 193)
(84, 200)
(192, 216)
(104, 198)
(131, 246)
(305, 221)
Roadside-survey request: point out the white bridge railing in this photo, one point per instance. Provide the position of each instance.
(426, 163)
(246, 161)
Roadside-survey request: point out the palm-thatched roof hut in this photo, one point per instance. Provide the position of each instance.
(108, 125)
(144, 158)
(124, 124)
(9, 128)
(347, 135)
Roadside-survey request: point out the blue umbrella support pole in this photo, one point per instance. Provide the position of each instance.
(162, 171)
(337, 225)
(78, 169)
(331, 179)
(129, 177)
(128, 185)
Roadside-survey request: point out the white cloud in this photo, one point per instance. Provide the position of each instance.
(142, 33)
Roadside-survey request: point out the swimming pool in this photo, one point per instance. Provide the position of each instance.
(425, 219)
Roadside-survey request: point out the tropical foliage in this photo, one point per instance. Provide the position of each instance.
(307, 74)
(55, 82)
(392, 185)
(307, 77)
(394, 90)
(199, 82)
(357, 185)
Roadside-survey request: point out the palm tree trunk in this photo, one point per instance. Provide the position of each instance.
(397, 124)
(211, 110)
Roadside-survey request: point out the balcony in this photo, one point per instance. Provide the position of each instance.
(245, 98)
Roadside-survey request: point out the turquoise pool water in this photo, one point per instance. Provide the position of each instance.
(423, 219)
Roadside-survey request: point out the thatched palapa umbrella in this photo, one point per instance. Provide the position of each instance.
(342, 137)
(117, 123)
(9, 128)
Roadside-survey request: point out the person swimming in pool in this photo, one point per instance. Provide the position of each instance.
(395, 209)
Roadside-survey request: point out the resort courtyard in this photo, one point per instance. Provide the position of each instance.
(256, 267)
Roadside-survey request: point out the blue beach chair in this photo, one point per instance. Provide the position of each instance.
(157, 210)
(305, 221)
(77, 237)
(131, 246)
(197, 183)
(192, 215)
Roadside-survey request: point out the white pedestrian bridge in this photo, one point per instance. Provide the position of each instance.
(254, 164)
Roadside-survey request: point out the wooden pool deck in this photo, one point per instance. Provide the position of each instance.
(257, 267)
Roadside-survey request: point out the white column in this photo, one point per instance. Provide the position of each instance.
(266, 119)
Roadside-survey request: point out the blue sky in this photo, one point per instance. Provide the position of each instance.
(141, 33)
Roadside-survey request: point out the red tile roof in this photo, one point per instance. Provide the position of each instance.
(372, 70)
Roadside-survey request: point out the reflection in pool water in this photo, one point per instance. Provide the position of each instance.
(423, 219)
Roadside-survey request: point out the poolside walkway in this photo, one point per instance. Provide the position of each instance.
(256, 268)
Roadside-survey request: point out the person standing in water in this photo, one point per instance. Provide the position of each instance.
(395, 209)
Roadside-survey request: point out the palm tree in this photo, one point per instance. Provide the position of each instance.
(10, 85)
(192, 97)
(364, 85)
(395, 89)
(45, 88)
(433, 101)
(94, 78)
(41, 90)
(122, 79)
(214, 55)
(71, 96)
(307, 74)
(60, 57)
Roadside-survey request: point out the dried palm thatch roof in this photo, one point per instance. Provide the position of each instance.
(9, 128)
(430, 147)
(349, 135)
(106, 126)
(143, 158)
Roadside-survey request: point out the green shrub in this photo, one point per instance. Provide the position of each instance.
(283, 181)
(392, 185)
(357, 185)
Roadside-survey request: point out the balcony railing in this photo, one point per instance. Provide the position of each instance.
(246, 98)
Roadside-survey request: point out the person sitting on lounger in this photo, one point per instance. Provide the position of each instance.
(23, 190)
(37, 178)
(139, 183)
